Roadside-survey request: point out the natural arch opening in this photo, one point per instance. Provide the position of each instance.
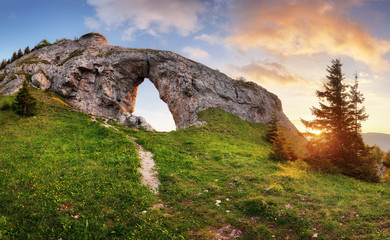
(149, 105)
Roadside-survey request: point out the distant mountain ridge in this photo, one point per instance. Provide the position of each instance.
(380, 139)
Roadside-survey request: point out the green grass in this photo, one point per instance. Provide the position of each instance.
(75, 53)
(285, 201)
(248, 85)
(64, 176)
(32, 60)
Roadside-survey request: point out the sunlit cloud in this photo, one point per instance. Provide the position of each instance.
(151, 16)
(306, 27)
(267, 72)
(195, 53)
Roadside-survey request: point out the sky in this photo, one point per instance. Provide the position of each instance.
(284, 46)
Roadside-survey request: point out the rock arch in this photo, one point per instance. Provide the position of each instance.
(101, 79)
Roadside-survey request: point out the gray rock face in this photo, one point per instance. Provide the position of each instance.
(39, 80)
(102, 80)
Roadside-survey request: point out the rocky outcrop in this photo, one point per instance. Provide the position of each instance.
(102, 80)
(39, 80)
(128, 119)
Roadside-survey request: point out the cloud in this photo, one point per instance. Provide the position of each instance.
(128, 34)
(195, 53)
(212, 39)
(92, 23)
(152, 16)
(266, 72)
(306, 27)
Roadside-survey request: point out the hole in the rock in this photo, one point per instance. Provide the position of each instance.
(149, 105)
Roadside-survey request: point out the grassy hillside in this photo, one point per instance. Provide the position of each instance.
(64, 176)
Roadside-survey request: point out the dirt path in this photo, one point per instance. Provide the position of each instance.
(147, 170)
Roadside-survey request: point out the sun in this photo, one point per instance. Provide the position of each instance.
(315, 132)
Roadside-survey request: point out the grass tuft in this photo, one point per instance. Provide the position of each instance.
(75, 53)
(32, 60)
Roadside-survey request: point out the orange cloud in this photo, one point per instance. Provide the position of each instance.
(306, 27)
(263, 71)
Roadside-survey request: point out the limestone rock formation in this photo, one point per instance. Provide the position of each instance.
(39, 80)
(102, 80)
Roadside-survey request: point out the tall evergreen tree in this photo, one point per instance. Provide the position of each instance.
(25, 103)
(3, 64)
(272, 130)
(332, 115)
(14, 56)
(27, 50)
(339, 118)
(20, 53)
(357, 115)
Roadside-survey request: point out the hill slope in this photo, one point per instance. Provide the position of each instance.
(380, 139)
(64, 176)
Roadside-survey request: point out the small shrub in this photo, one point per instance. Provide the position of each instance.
(244, 83)
(42, 44)
(59, 40)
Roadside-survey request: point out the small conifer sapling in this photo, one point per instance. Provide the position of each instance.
(25, 103)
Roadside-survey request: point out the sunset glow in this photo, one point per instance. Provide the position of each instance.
(282, 45)
(316, 132)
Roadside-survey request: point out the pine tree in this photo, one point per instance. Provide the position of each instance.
(357, 115)
(272, 127)
(3, 64)
(282, 151)
(25, 103)
(363, 167)
(14, 57)
(27, 50)
(339, 118)
(20, 53)
(332, 118)
(279, 153)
